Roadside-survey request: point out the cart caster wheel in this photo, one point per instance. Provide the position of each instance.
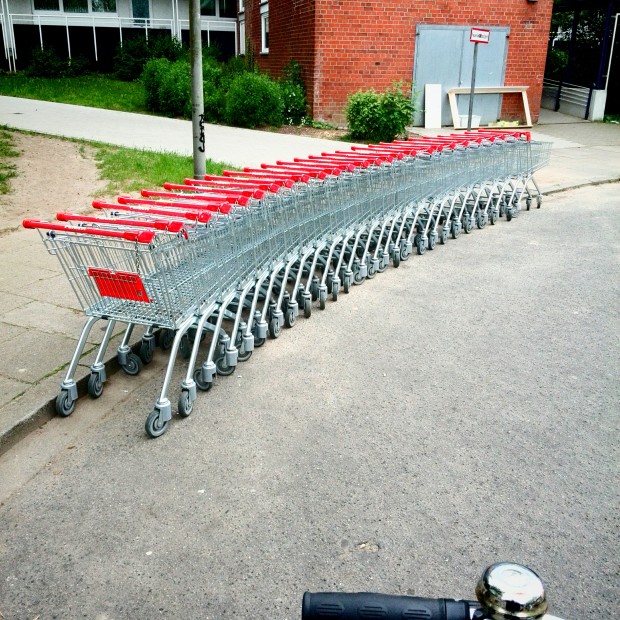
(95, 385)
(289, 318)
(166, 336)
(185, 348)
(335, 289)
(322, 303)
(420, 245)
(274, 328)
(146, 352)
(154, 426)
(528, 203)
(467, 224)
(258, 342)
(372, 272)
(493, 218)
(538, 202)
(456, 231)
(133, 365)
(509, 214)
(307, 308)
(443, 236)
(64, 405)
(223, 368)
(314, 289)
(404, 251)
(186, 404)
(242, 356)
(396, 258)
(432, 239)
(203, 386)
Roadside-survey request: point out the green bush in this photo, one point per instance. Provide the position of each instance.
(77, 66)
(293, 102)
(379, 117)
(168, 87)
(46, 63)
(167, 47)
(214, 93)
(175, 90)
(131, 57)
(253, 100)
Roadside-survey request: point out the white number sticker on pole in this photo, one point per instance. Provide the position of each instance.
(479, 35)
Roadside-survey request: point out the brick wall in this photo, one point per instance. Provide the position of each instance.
(345, 45)
(292, 37)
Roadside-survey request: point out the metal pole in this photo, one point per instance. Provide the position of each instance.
(473, 87)
(611, 53)
(198, 108)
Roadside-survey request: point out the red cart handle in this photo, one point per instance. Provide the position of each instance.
(142, 236)
(167, 225)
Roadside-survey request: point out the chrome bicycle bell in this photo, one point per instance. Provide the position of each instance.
(508, 591)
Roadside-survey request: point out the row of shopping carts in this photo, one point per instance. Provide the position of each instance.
(226, 261)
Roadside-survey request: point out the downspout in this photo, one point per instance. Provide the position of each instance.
(601, 66)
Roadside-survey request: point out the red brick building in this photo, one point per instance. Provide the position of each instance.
(347, 45)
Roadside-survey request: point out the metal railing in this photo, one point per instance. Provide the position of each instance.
(95, 21)
(577, 98)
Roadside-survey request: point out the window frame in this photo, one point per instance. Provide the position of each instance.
(264, 27)
(61, 10)
(242, 35)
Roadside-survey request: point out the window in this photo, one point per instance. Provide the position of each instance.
(264, 27)
(46, 5)
(76, 6)
(219, 8)
(228, 8)
(104, 6)
(207, 7)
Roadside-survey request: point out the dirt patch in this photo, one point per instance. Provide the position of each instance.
(52, 175)
(312, 132)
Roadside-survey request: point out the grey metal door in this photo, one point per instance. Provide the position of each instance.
(444, 55)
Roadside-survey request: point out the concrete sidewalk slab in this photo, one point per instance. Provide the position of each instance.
(231, 145)
(39, 316)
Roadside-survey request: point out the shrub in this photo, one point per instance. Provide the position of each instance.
(379, 117)
(78, 65)
(175, 89)
(167, 87)
(46, 63)
(214, 93)
(253, 100)
(131, 58)
(293, 102)
(167, 47)
(151, 77)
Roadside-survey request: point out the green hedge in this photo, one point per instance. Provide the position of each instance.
(379, 117)
(253, 100)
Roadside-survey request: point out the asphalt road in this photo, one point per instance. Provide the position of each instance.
(459, 410)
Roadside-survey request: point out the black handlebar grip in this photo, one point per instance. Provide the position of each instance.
(370, 606)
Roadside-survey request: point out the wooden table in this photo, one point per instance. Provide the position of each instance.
(488, 90)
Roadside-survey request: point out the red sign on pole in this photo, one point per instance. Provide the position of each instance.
(479, 35)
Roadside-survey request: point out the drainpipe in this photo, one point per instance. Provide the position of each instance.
(601, 66)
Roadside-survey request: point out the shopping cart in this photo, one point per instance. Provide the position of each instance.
(238, 256)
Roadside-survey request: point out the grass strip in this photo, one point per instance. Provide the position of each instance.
(128, 170)
(7, 168)
(96, 91)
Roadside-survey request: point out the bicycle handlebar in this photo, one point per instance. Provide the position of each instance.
(363, 605)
